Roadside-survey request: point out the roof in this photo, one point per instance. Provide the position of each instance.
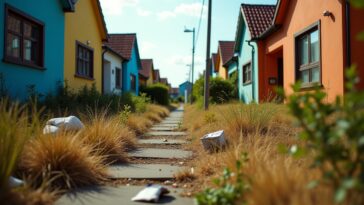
(109, 49)
(258, 17)
(226, 49)
(122, 43)
(147, 66)
(174, 91)
(164, 81)
(156, 75)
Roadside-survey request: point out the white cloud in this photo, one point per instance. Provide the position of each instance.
(193, 10)
(147, 47)
(185, 60)
(142, 12)
(115, 7)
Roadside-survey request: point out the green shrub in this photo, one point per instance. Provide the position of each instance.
(221, 91)
(228, 190)
(158, 93)
(334, 134)
(140, 102)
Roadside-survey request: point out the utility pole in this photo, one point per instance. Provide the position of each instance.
(207, 72)
(193, 57)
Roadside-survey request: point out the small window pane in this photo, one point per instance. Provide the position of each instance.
(13, 24)
(28, 50)
(27, 30)
(315, 53)
(303, 50)
(13, 46)
(305, 76)
(316, 75)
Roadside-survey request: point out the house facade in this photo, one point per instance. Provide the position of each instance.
(185, 89)
(127, 46)
(112, 71)
(32, 46)
(85, 32)
(309, 42)
(146, 74)
(224, 52)
(156, 76)
(253, 20)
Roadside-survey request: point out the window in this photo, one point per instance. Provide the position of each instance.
(247, 73)
(84, 61)
(132, 82)
(118, 78)
(23, 39)
(308, 56)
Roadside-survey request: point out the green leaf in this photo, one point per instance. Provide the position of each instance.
(340, 195)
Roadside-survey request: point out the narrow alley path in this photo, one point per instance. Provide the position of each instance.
(158, 158)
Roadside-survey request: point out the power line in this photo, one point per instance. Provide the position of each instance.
(200, 20)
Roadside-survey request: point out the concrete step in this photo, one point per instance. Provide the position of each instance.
(165, 133)
(161, 142)
(144, 171)
(160, 153)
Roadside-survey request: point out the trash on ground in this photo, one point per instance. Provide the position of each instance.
(70, 123)
(151, 193)
(50, 129)
(15, 182)
(213, 142)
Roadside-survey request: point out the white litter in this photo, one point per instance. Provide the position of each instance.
(213, 141)
(70, 123)
(15, 182)
(50, 129)
(151, 193)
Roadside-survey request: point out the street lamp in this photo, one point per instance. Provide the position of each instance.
(193, 55)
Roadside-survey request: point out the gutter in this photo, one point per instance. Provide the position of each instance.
(253, 73)
(102, 71)
(270, 30)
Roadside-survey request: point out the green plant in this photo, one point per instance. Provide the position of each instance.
(157, 93)
(228, 190)
(140, 102)
(124, 115)
(14, 133)
(334, 132)
(221, 91)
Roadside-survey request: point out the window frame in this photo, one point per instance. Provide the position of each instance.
(118, 83)
(91, 50)
(245, 82)
(309, 66)
(24, 18)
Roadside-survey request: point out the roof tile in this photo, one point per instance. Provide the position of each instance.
(147, 66)
(227, 50)
(259, 17)
(122, 43)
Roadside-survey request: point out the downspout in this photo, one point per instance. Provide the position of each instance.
(253, 70)
(102, 71)
(348, 33)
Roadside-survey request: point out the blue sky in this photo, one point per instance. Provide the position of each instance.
(159, 25)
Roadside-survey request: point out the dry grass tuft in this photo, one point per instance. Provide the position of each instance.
(160, 110)
(138, 123)
(154, 117)
(109, 138)
(28, 196)
(65, 159)
(185, 176)
(257, 130)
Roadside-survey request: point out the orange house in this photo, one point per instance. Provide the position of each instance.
(312, 41)
(225, 52)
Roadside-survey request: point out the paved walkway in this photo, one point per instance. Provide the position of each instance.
(162, 134)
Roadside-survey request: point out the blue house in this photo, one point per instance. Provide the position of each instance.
(253, 21)
(185, 87)
(32, 46)
(127, 46)
(213, 71)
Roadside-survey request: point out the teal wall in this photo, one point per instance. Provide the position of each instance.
(16, 77)
(245, 56)
(232, 68)
(132, 67)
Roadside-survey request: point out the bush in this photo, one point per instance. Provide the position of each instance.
(158, 93)
(334, 134)
(221, 91)
(140, 103)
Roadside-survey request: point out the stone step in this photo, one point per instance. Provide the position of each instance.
(117, 195)
(164, 134)
(160, 153)
(163, 128)
(161, 142)
(144, 171)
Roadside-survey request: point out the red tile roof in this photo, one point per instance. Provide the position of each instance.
(226, 49)
(122, 43)
(157, 77)
(147, 66)
(259, 17)
(164, 81)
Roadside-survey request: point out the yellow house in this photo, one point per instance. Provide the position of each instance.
(224, 53)
(146, 74)
(85, 32)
